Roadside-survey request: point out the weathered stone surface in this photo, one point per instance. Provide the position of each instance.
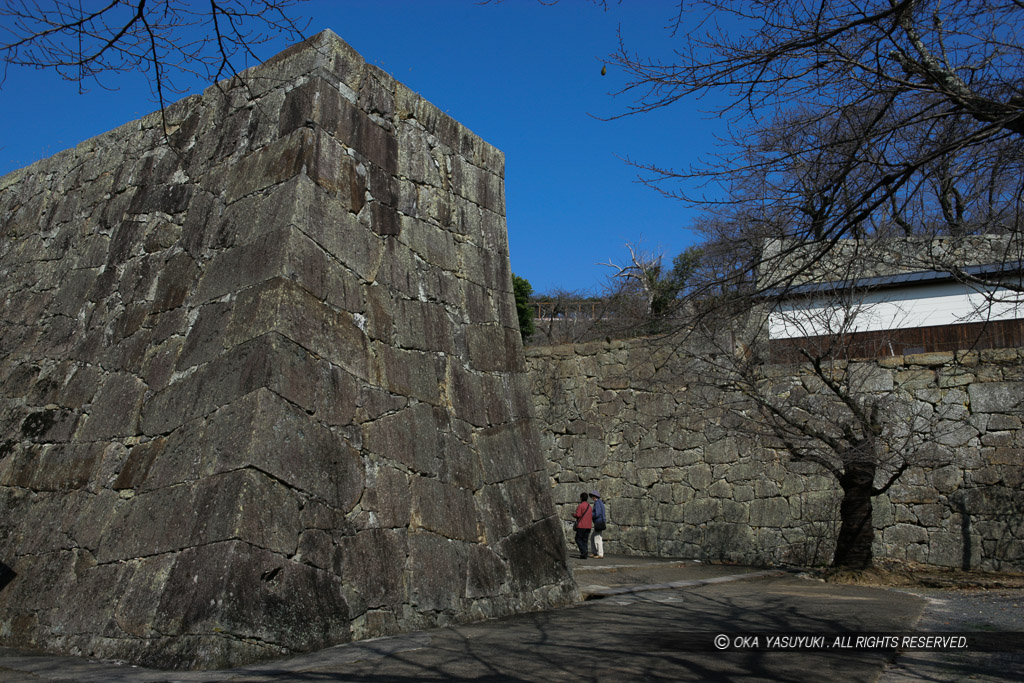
(682, 478)
(997, 397)
(269, 361)
(115, 409)
(534, 553)
(445, 510)
(373, 563)
(409, 436)
(486, 572)
(236, 588)
(261, 386)
(243, 505)
(440, 578)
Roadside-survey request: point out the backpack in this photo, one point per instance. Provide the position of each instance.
(599, 519)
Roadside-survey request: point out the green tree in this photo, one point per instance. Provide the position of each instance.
(522, 289)
(646, 295)
(670, 288)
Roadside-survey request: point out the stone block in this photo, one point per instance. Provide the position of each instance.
(114, 412)
(486, 572)
(956, 377)
(509, 451)
(770, 512)
(999, 355)
(930, 515)
(735, 512)
(315, 547)
(284, 307)
(947, 550)
(870, 378)
(423, 326)
(336, 395)
(415, 160)
(930, 359)
(175, 282)
(460, 463)
(408, 436)
(334, 228)
(57, 467)
(253, 595)
(996, 397)
(721, 451)
(445, 510)
(743, 494)
(656, 457)
(205, 340)
(270, 362)
(283, 255)
(720, 489)
(415, 374)
(702, 511)
(698, 476)
(431, 209)
(626, 510)
(373, 562)
(917, 379)
(731, 542)
(386, 496)
(905, 534)
(441, 572)
(243, 504)
(955, 434)
(494, 349)
(537, 554)
(528, 498)
(1009, 422)
(49, 424)
(587, 452)
(465, 388)
(272, 165)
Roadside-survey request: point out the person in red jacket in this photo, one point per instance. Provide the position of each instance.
(584, 523)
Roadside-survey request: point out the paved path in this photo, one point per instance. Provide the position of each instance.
(999, 611)
(646, 620)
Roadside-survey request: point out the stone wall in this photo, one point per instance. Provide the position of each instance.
(262, 387)
(631, 420)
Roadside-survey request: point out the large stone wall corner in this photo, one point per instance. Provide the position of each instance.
(262, 389)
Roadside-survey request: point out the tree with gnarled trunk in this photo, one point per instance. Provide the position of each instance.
(843, 415)
(849, 123)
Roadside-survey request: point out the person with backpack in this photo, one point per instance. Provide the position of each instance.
(583, 524)
(600, 517)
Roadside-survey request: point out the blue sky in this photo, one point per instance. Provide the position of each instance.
(522, 75)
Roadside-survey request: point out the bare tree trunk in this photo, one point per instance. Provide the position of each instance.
(853, 547)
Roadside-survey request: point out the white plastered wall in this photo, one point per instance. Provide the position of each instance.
(946, 303)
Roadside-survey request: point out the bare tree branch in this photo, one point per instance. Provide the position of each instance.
(164, 39)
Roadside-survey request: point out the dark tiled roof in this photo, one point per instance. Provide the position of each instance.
(899, 279)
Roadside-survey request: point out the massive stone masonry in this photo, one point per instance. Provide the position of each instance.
(633, 420)
(262, 382)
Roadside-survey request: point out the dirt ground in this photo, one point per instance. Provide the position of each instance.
(907, 574)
